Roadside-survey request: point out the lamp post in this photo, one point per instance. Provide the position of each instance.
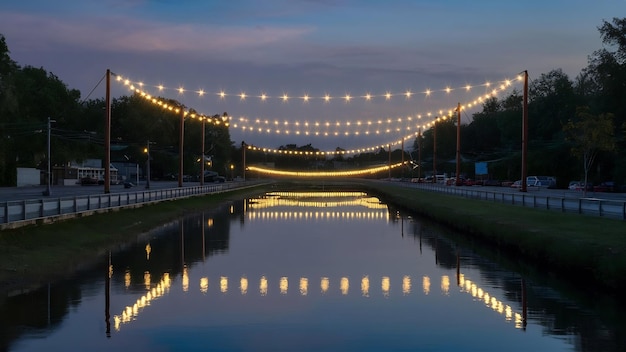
(232, 172)
(147, 151)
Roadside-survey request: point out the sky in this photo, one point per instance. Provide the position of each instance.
(309, 48)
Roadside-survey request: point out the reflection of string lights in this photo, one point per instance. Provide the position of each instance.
(318, 215)
(491, 302)
(163, 287)
(361, 172)
(131, 312)
(281, 199)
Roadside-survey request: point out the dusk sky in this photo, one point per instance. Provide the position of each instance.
(308, 48)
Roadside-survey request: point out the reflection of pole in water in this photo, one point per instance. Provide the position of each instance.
(524, 305)
(107, 296)
(420, 237)
(182, 243)
(458, 268)
(203, 240)
(436, 247)
(48, 304)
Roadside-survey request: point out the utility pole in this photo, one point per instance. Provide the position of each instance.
(435, 151)
(525, 134)
(107, 135)
(458, 144)
(180, 146)
(49, 172)
(202, 157)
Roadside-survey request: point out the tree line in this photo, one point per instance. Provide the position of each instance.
(577, 128)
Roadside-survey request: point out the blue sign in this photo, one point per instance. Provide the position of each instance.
(480, 168)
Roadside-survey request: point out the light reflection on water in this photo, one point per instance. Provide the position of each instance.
(302, 271)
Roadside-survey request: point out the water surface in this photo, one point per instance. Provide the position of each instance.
(303, 271)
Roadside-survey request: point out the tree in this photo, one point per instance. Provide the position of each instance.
(590, 134)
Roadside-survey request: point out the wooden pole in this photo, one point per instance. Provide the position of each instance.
(202, 162)
(525, 134)
(107, 135)
(435, 151)
(180, 147)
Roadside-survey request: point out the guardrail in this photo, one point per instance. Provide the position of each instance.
(18, 213)
(610, 208)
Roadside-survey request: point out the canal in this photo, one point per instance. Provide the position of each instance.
(308, 271)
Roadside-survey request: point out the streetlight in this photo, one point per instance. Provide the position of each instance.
(232, 170)
(49, 173)
(147, 151)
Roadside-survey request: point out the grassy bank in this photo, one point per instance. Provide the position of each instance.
(584, 249)
(32, 254)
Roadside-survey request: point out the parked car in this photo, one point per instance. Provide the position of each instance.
(492, 183)
(575, 185)
(517, 184)
(469, 182)
(607, 186)
(88, 181)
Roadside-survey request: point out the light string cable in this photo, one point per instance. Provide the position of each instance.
(412, 129)
(316, 126)
(172, 107)
(326, 98)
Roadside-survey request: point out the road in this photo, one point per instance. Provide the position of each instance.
(36, 192)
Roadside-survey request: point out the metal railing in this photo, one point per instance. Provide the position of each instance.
(16, 213)
(610, 208)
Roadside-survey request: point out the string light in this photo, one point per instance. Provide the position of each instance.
(408, 94)
(409, 124)
(369, 171)
(175, 109)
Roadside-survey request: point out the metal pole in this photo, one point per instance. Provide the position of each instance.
(107, 135)
(48, 174)
(419, 154)
(243, 148)
(525, 133)
(148, 166)
(389, 146)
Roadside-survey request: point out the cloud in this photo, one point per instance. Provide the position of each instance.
(132, 35)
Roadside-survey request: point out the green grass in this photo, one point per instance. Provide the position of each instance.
(31, 254)
(576, 247)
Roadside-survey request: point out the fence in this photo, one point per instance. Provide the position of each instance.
(18, 213)
(610, 208)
